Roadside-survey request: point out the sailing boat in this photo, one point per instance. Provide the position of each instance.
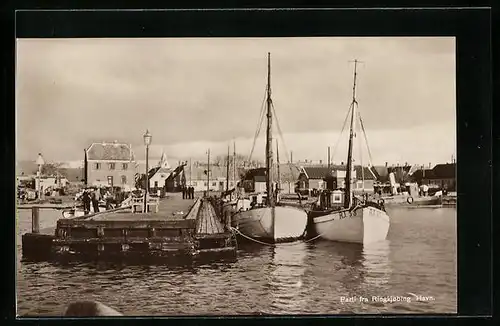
(357, 220)
(266, 219)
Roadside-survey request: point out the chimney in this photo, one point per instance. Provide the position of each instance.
(385, 164)
(429, 165)
(320, 161)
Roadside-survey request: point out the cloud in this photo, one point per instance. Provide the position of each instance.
(196, 93)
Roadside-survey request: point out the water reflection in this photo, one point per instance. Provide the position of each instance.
(376, 264)
(286, 280)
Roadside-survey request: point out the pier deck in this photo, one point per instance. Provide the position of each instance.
(179, 227)
(170, 208)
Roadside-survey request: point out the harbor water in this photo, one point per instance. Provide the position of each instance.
(413, 271)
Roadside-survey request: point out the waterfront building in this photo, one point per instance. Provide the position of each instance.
(110, 164)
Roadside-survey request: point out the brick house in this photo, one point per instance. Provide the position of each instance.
(109, 164)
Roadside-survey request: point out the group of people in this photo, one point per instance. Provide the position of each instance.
(93, 197)
(187, 192)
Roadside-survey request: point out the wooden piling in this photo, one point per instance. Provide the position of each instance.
(35, 219)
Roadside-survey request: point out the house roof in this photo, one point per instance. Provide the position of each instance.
(444, 171)
(159, 170)
(316, 172)
(110, 151)
(259, 178)
(423, 174)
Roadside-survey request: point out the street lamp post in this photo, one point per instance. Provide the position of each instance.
(147, 141)
(40, 162)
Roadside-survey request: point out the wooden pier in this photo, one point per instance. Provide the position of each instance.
(174, 229)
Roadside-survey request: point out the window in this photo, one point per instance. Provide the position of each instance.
(110, 180)
(221, 183)
(97, 166)
(336, 198)
(124, 166)
(162, 176)
(111, 166)
(156, 184)
(205, 183)
(194, 183)
(124, 179)
(231, 184)
(214, 184)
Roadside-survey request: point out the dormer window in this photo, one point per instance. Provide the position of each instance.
(124, 166)
(111, 166)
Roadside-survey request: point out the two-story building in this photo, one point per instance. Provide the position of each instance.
(110, 164)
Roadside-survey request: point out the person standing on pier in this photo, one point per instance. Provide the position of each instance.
(97, 199)
(183, 192)
(95, 202)
(86, 202)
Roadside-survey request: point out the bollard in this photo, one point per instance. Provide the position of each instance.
(35, 219)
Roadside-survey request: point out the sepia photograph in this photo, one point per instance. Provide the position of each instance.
(242, 176)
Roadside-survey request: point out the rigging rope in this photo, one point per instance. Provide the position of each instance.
(282, 139)
(341, 132)
(259, 124)
(360, 154)
(366, 139)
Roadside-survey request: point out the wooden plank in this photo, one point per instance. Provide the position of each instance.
(208, 222)
(127, 224)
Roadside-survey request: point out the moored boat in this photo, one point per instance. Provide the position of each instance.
(263, 218)
(340, 215)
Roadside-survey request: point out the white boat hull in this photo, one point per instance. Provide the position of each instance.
(77, 212)
(363, 225)
(289, 223)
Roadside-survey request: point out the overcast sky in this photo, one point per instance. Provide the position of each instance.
(193, 94)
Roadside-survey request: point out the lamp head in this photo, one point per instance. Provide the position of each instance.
(147, 138)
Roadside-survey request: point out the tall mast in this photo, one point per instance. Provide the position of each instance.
(227, 171)
(269, 138)
(349, 172)
(234, 163)
(278, 186)
(85, 168)
(208, 173)
(328, 159)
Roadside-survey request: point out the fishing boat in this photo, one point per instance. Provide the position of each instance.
(355, 219)
(260, 216)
